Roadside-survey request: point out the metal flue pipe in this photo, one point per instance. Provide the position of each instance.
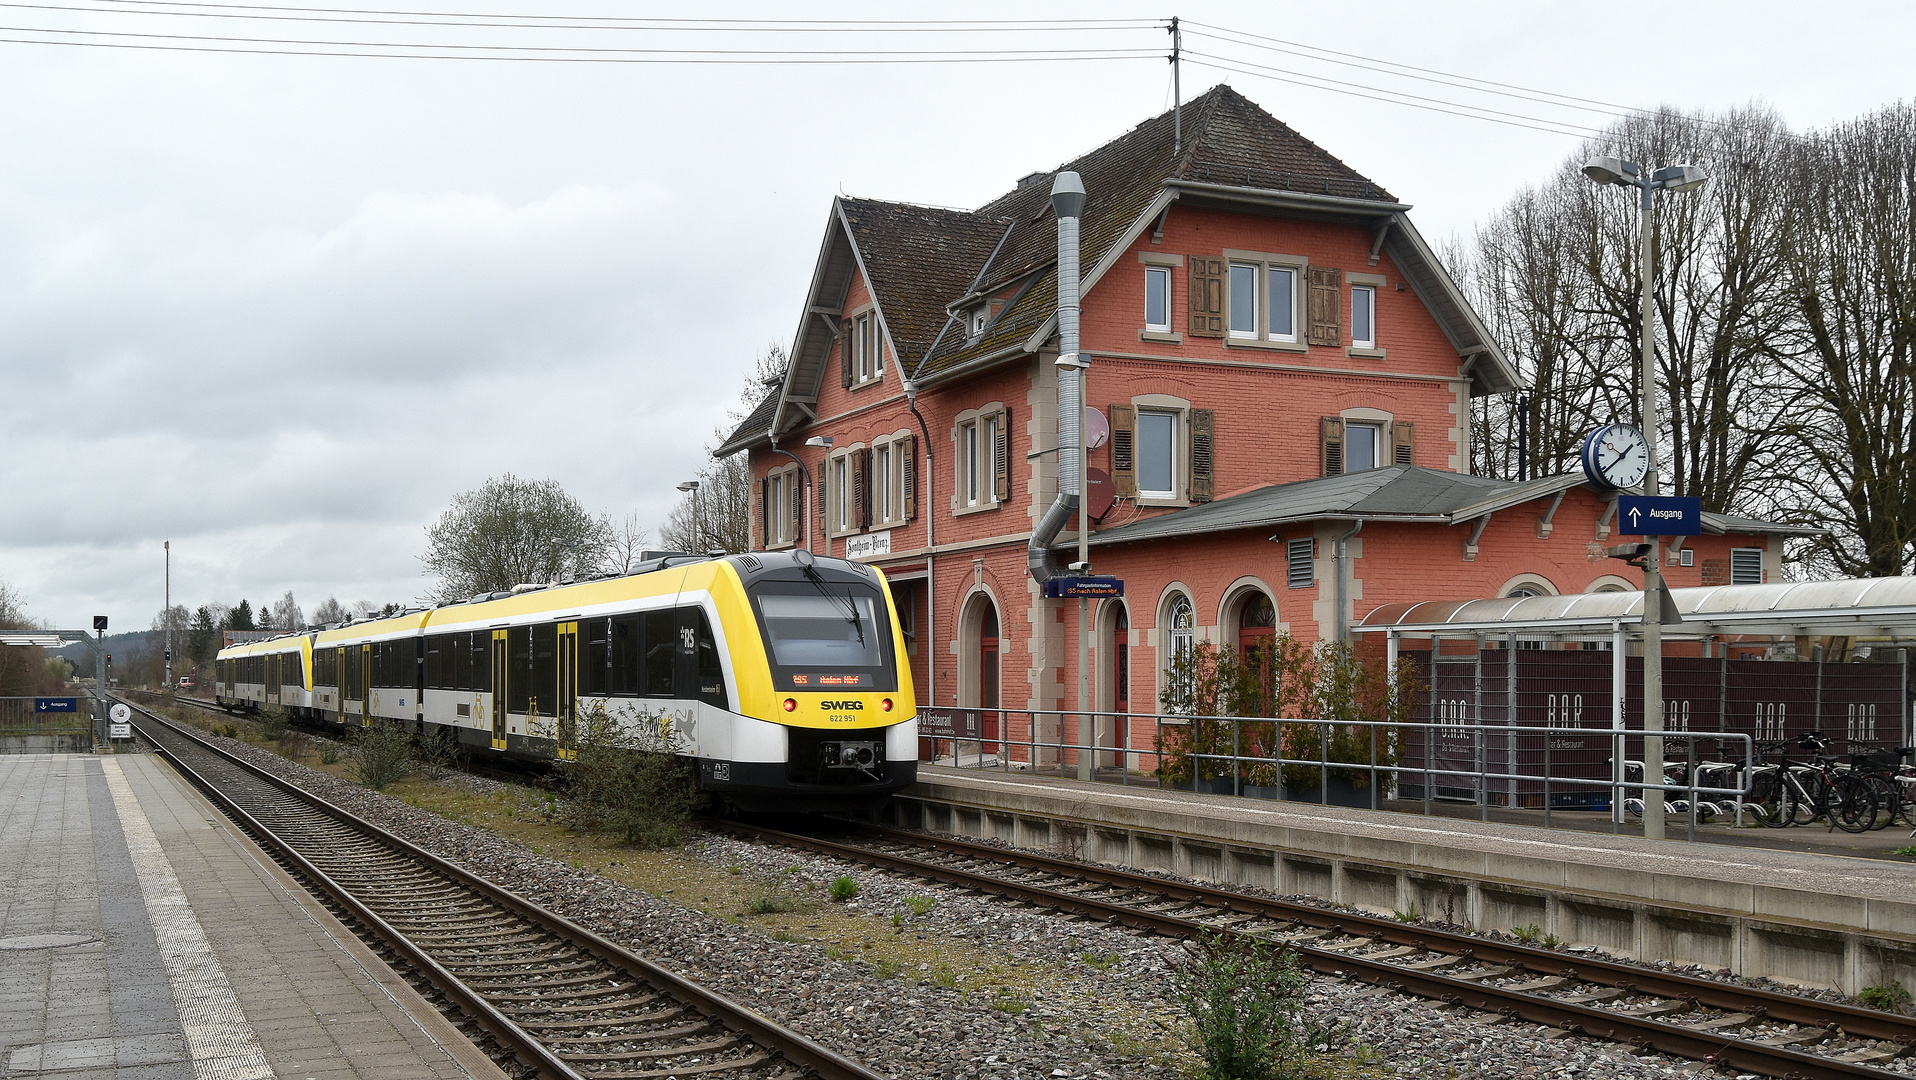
(1067, 197)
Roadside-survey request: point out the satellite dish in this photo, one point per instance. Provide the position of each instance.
(1100, 494)
(1097, 430)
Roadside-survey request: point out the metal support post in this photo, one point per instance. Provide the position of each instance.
(1619, 667)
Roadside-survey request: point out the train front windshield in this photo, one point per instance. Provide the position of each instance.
(826, 636)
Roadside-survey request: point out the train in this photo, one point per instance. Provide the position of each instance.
(782, 675)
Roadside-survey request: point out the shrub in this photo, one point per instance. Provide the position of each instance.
(1889, 998)
(1244, 998)
(1527, 933)
(920, 905)
(844, 888)
(436, 751)
(293, 744)
(629, 779)
(273, 721)
(329, 753)
(382, 755)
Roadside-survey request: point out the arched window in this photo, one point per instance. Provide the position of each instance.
(988, 658)
(1183, 626)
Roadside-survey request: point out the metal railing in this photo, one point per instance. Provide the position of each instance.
(18, 716)
(1480, 763)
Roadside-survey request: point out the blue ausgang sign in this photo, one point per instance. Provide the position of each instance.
(1060, 588)
(56, 704)
(1659, 515)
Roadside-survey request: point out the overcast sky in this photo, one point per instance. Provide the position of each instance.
(280, 309)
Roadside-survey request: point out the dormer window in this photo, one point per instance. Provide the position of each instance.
(976, 320)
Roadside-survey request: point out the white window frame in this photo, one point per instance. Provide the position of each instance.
(868, 349)
(1365, 295)
(779, 523)
(1379, 456)
(1264, 267)
(838, 494)
(882, 471)
(1157, 282)
(1177, 418)
(975, 459)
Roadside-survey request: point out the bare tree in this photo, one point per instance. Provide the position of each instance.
(511, 532)
(1852, 277)
(719, 515)
(627, 543)
(328, 612)
(20, 666)
(286, 613)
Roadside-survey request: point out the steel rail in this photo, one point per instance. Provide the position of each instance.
(1773, 1004)
(767, 1032)
(1642, 1032)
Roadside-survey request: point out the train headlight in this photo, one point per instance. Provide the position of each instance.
(885, 704)
(791, 704)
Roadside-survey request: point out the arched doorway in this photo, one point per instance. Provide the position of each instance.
(1256, 627)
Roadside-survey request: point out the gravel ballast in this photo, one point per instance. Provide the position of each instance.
(1068, 998)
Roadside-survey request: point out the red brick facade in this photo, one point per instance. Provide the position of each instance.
(952, 564)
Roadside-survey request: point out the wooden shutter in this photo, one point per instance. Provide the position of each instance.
(1203, 442)
(845, 354)
(819, 487)
(1206, 297)
(907, 449)
(1124, 457)
(1001, 460)
(1403, 443)
(1331, 436)
(1326, 307)
(797, 502)
(861, 489)
(764, 535)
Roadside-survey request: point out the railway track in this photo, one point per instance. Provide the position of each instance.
(1726, 1025)
(565, 1003)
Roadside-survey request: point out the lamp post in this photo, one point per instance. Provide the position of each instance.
(1670, 178)
(698, 526)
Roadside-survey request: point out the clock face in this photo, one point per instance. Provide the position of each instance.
(1616, 456)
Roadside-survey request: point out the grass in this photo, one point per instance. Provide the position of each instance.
(844, 888)
(1907, 852)
(1527, 933)
(1007, 1002)
(1409, 916)
(920, 905)
(777, 897)
(1101, 961)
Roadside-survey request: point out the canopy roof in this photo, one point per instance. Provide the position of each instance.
(1847, 607)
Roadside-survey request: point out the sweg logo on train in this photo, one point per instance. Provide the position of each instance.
(854, 706)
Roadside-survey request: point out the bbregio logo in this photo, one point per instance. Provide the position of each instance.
(853, 706)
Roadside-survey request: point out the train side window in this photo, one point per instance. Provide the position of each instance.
(480, 657)
(660, 643)
(701, 674)
(435, 662)
(545, 667)
(625, 652)
(594, 656)
(518, 668)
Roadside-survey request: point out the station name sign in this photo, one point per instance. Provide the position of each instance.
(1061, 588)
(1659, 515)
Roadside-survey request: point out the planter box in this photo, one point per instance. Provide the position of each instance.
(1342, 793)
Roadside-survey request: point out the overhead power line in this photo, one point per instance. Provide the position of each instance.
(320, 14)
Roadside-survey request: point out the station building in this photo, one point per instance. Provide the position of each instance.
(1286, 371)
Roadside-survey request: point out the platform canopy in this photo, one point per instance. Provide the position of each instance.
(1870, 608)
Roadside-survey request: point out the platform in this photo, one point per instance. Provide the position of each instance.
(1797, 916)
(142, 937)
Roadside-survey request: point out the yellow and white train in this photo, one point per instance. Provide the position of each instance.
(783, 674)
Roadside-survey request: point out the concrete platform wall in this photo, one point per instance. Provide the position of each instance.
(1793, 935)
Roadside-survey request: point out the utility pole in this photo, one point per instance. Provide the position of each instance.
(167, 686)
(1177, 89)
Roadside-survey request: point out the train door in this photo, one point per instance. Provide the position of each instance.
(272, 678)
(566, 703)
(499, 689)
(365, 686)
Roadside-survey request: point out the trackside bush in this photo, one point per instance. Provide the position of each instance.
(272, 721)
(628, 778)
(1244, 998)
(381, 755)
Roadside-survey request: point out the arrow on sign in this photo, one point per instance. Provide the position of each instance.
(1635, 516)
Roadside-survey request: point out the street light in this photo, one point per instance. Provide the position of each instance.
(698, 533)
(1673, 178)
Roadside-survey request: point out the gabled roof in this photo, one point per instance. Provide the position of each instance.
(923, 263)
(1394, 493)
